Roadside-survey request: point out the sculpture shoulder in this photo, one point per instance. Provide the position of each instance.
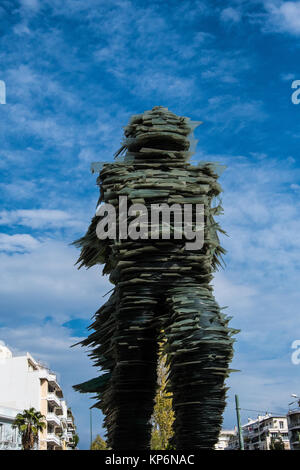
(146, 181)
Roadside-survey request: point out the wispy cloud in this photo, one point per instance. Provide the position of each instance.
(231, 15)
(42, 275)
(39, 218)
(283, 17)
(17, 243)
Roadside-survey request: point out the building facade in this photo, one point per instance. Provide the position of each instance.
(10, 439)
(259, 433)
(293, 418)
(26, 383)
(225, 437)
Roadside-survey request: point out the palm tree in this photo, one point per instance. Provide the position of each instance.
(29, 423)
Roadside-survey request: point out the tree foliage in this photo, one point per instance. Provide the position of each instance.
(29, 424)
(75, 440)
(163, 415)
(99, 443)
(276, 443)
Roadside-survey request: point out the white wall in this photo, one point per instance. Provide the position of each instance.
(19, 386)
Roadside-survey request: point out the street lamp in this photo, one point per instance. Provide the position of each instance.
(293, 395)
(91, 427)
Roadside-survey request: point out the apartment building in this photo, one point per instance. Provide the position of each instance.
(258, 433)
(26, 383)
(225, 437)
(293, 418)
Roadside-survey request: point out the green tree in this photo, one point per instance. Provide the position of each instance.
(29, 424)
(276, 443)
(75, 440)
(163, 415)
(99, 443)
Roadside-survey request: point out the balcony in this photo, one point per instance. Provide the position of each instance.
(9, 445)
(53, 439)
(294, 427)
(50, 377)
(250, 434)
(295, 443)
(52, 418)
(294, 418)
(70, 421)
(53, 399)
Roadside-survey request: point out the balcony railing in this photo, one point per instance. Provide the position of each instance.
(53, 438)
(53, 418)
(53, 399)
(8, 444)
(294, 425)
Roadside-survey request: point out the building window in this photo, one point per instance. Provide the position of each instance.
(281, 424)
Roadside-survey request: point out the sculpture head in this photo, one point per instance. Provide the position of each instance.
(160, 130)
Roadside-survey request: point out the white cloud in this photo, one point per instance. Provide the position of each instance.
(286, 77)
(283, 17)
(21, 28)
(30, 4)
(239, 297)
(261, 216)
(17, 243)
(40, 218)
(262, 261)
(50, 344)
(165, 83)
(224, 69)
(230, 15)
(17, 191)
(227, 111)
(44, 281)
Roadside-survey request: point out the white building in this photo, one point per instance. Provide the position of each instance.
(259, 433)
(9, 436)
(25, 383)
(293, 417)
(225, 437)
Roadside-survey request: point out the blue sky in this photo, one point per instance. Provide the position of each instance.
(75, 71)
